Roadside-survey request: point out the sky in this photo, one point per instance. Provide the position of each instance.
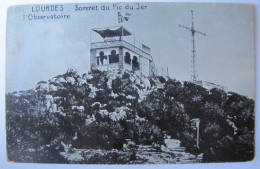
(41, 49)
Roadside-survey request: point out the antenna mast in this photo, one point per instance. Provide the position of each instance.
(194, 71)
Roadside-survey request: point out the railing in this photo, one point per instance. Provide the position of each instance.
(106, 44)
(103, 67)
(117, 43)
(112, 66)
(128, 66)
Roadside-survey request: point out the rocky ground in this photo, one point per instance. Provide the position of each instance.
(172, 153)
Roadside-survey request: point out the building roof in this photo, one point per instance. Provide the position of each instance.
(108, 32)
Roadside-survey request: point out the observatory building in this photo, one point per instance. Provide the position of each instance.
(114, 53)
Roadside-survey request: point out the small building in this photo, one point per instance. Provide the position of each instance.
(210, 85)
(114, 53)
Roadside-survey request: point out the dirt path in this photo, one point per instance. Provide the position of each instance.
(172, 153)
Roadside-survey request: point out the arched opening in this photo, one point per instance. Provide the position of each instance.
(113, 58)
(127, 58)
(103, 58)
(135, 63)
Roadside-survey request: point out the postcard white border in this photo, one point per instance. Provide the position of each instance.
(4, 4)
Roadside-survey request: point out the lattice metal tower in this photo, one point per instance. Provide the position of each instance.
(194, 70)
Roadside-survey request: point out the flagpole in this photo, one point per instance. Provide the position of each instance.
(122, 27)
(118, 19)
(122, 30)
(118, 22)
(122, 18)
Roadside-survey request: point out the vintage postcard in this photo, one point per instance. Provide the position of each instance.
(130, 83)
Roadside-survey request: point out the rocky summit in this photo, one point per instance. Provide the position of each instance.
(118, 117)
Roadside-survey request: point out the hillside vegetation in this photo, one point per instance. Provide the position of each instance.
(100, 110)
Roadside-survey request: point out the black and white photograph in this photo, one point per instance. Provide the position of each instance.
(130, 83)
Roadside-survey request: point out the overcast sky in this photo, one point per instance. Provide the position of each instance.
(41, 49)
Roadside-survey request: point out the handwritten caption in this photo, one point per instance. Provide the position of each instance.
(63, 12)
(114, 6)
